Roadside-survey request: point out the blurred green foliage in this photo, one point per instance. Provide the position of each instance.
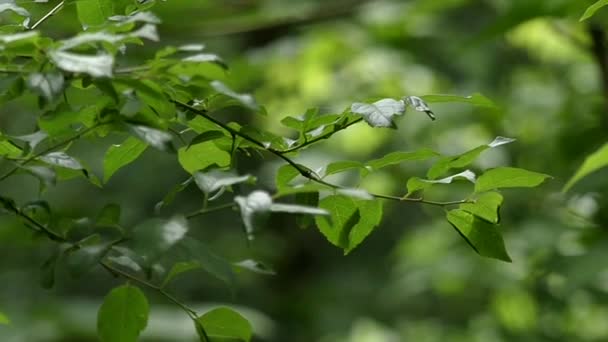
(413, 279)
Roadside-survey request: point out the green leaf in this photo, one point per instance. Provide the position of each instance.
(179, 268)
(419, 105)
(593, 8)
(8, 149)
(49, 85)
(254, 266)
(109, 215)
(224, 324)
(285, 174)
(120, 155)
(197, 251)
(61, 159)
(154, 137)
(63, 122)
(255, 209)
(508, 177)
(90, 251)
(9, 5)
(207, 58)
(123, 315)
(93, 12)
(206, 136)
(99, 65)
(395, 158)
(415, 184)
(486, 206)
(476, 99)
(4, 320)
(201, 156)
(444, 164)
(379, 113)
(170, 196)
(483, 237)
(592, 163)
(342, 166)
(153, 237)
(244, 99)
(151, 94)
(351, 221)
(217, 180)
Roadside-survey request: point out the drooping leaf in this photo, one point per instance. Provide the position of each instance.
(216, 180)
(476, 99)
(10, 5)
(123, 315)
(179, 268)
(415, 184)
(486, 206)
(170, 196)
(61, 159)
(201, 156)
(379, 113)
(483, 237)
(154, 137)
(245, 99)
(224, 324)
(508, 177)
(592, 163)
(99, 65)
(93, 12)
(49, 85)
(255, 209)
(593, 8)
(351, 221)
(153, 237)
(419, 105)
(120, 155)
(444, 164)
(254, 266)
(395, 158)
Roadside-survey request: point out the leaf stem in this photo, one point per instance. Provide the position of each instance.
(210, 210)
(48, 15)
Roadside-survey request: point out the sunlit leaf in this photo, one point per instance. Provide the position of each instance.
(206, 57)
(4, 320)
(99, 65)
(245, 99)
(486, 206)
(201, 156)
(224, 324)
(379, 113)
(255, 209)
(419, 105)
(483, 237)
(123, 315)
(592, 163)
(593, 8)
(61, 159)
(8, 149)
(206, 136)
(508, 177)
(415, 184)
(351, 221)
(48, 85)
(341, 166)
(216, 180)
(93, 12)
(254, 266)
(120, 155)
(154, 137)
(285, 174)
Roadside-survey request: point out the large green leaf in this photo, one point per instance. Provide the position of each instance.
(444, 164)
(483, 237)
(486, 206)
(351, 220)
(201, 156)
(123, 315)
(593, 8)
(93, 12)
(379, 113)
(508, 177)
(224, 324)
(592, 163)
(120, 155)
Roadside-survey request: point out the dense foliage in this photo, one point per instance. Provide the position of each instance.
(87, 87)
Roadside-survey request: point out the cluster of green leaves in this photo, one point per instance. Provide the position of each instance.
(168, 103)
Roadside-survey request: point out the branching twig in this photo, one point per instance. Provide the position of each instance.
(48, 15)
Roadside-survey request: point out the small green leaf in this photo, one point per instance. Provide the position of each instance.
(475, 100)
(61, 159)
(49, 85)
(153, 237)
(486, 206)
(93, 12)
(415, 184)
(224, 324)
(508, 177)
(285, 174)
(351, 221)
(483, 237)
(342, 166)
(206, 136)
(592, 163)
(120, 155)
(154, 137)
(395, 158)
(150, 94)
(593, 8)
(444, 164)
(244, 99)
(179, 268)
(201, 156)
(123, 315)
(4, 320)
(379, 113)
(8, 149)
(99, 65)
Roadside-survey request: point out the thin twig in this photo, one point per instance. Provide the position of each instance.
(210, 210)
(48, 15)
(303, 170)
